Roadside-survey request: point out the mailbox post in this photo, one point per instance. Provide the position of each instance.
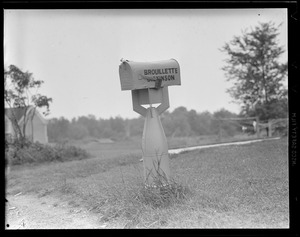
(149, 83)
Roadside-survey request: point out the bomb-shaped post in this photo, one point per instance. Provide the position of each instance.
(148, 82)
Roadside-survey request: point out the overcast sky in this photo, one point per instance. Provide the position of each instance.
(77, 53)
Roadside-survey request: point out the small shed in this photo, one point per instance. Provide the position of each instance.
(36, 125)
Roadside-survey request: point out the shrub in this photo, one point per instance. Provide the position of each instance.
(68, 152)
(20, 152)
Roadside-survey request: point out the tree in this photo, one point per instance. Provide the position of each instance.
(136, 126)
(18, 93)
(58, 129)
(180, 122)
(205, 123)
(221, 125)
(193, 120)
(77, 131)
(258, 76)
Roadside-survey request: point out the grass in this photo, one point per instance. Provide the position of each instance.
(227, 187)
(117, 149)
(179, 142)
(133, 145)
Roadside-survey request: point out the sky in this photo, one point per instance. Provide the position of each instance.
(77, 53)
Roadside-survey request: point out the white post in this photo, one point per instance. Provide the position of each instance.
(155, 151)
(257, 127)
(154, 141)
(270, 127)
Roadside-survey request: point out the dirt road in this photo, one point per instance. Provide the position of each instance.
(30, 212)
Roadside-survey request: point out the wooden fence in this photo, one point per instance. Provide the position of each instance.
(272, 126)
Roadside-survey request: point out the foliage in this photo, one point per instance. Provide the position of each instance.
(18, 93)
(58, 129)
(224, 127)
(258, 76)
(21, 152)
(273, 109)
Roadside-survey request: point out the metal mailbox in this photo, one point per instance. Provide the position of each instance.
(142, 75)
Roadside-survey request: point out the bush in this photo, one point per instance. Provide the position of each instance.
(20, 152)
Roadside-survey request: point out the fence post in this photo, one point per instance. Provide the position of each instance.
(220, 130)
(257, 127)
(270, 127)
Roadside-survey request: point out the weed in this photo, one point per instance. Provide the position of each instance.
(163, 191)
(157, 176)
(163, 196)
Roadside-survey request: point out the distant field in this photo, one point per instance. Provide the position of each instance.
(110, 150)
(133, 145)
(231, 187)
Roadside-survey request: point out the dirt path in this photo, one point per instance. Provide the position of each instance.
(178, 150)
(30, 212)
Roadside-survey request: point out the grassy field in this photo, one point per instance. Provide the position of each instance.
(228, 187)
(133, 145)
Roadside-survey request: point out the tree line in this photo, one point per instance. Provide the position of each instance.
(178, 123)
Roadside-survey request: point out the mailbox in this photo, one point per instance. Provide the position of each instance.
(142, 75)
(149, 83)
